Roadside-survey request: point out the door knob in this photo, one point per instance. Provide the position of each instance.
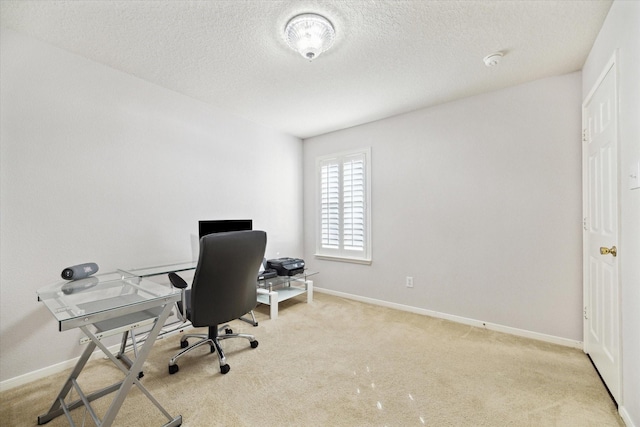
(606, 251)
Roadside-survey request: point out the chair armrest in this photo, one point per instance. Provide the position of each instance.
(177, 281)
(180, 283)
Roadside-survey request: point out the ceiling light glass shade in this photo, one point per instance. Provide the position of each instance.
(309, 34)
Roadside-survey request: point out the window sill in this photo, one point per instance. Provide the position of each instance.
(344, 259)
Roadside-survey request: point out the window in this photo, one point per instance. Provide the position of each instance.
(344, 206)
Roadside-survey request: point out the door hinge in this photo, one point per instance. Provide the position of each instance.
(585, 313)
(584, 223)
(584, 135)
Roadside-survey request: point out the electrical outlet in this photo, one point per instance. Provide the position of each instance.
(634, 176)
(409, 282)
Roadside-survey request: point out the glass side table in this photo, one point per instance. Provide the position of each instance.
(281, 288)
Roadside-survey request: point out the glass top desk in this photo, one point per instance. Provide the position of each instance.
(103, 305)
(271, 291)
(161, 269)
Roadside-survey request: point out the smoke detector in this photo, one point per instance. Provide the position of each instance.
(493, 59)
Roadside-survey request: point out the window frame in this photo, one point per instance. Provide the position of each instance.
(341, 253)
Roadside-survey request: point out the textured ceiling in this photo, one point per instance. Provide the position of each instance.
(389, 57)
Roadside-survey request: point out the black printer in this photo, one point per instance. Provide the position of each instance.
(286, 266)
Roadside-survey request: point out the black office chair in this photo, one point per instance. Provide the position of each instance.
(224, 288)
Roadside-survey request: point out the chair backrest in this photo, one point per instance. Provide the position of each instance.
(224, 286)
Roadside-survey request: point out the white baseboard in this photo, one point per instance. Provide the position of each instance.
(458, 319)
(68, 364)
(625, 416)
(49, 370)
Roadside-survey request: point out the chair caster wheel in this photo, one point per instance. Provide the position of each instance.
(254, 344)
(228, 331)
(173, 369)
(225, 368)
(184, 344)
(140, 375)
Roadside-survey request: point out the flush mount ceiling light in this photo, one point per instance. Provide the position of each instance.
(309, 34)
(493, 59)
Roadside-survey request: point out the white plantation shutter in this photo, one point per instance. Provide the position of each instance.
(344, 217)
(330, 202)
(353, 209)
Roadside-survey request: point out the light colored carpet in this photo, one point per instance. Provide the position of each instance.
(338, 362)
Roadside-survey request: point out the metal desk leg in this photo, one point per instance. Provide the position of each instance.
(131, 378)
(56, 408)
(132, 374)
(251, 321)
(123, 348)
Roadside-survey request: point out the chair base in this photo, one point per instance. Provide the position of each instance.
(213, 339)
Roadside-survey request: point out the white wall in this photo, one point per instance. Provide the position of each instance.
(99, 166)
(479, 200)
(621, 31)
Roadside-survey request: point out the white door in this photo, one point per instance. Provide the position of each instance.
(600, 191)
